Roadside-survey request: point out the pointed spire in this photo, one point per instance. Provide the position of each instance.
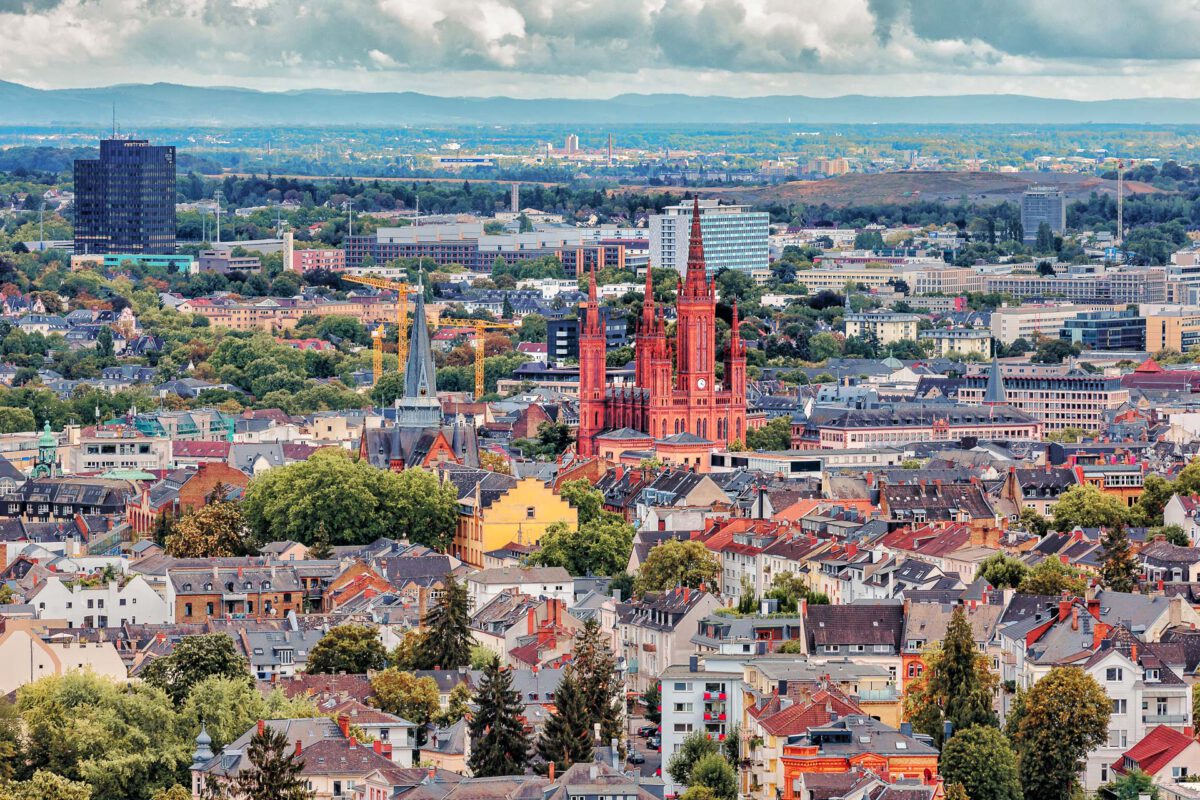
(696, 280)
(995, 394)
(419, 407)
(592, 284)
(735, 336)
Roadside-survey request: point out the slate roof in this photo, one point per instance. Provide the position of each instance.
(868, 624)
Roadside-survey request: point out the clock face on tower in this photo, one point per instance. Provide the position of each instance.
(701, 383)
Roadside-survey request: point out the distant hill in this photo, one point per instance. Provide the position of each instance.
(163, 104)
(913, 187)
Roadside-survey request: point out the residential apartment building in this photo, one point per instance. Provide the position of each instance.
(553, 583)
(964, 341)
(111, 604)
(125, 199)
(734, 237)
(884, 327)
(695, 699)
(308, 260)
(281, 313)
(199, 594)
(1058, 396)
(902, 423)
(102, 448)
(29, 652)
(655, 632)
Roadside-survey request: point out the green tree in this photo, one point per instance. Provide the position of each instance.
(714, 772)
(599, 686)
(214, 530)
(104, 343)
(388, 389)
(957, 684)
(1044, 243)
(193, 660)
(1034, 522)
(566, 737)
(497, 735)
(47, 786)
(1052, 577)
(652, 700)
(446, 640)
(1174, 534)
(775, 435)
(16, 420)
(1065, 716)
(678, 563)
(598, 547)
(981, 759)
(274, 771)
(584, 498)
(1002, 571)
(176, 792)
(1118, 568)
(695, 746)
(227, 707)
(405, 695)
(956, 791)
(824, 346)
(353, 502)
(456, 706)
(1085, 506)
(1133, 785)
(353, 648)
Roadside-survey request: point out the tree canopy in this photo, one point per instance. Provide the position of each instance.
(678, 563)
(353, 648)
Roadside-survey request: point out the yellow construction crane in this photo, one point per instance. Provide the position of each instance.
(401, 289)
(481, 327)
(377, 358)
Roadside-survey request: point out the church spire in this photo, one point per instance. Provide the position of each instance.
(695, 283)
(995, 394)
(419, 407)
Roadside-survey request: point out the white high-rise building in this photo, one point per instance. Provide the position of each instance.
(734, 237)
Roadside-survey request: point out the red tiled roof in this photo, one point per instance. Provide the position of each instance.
(799, 717)
(218, 451)
(1154, 751)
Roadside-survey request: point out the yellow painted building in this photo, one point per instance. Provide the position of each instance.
(495, 510)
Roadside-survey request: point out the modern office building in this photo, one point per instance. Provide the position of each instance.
(1026, 322)
(562, 335)
(1043, 204)
(1106, 330)
(1169, 328)
(125, 199)
(1060, 396)
(734, 237)
(1131, 285)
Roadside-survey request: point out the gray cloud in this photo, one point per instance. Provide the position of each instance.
(575, 44)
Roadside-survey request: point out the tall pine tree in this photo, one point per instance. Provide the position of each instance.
(446, 640)
(567, 738)
(498, 745)
(275, 773)
(1119, 570)
(596, 668)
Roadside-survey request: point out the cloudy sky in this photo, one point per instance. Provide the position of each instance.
(1084, 49)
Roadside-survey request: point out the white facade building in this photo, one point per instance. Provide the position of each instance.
(696, 700)
(108, 605)
(734, 237)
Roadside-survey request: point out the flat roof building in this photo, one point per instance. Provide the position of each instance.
(734, 237)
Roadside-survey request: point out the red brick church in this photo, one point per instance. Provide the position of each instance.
(684, 401)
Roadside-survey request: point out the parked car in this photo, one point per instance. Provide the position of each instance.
(654, 743)
(647, 730)
(636, 758)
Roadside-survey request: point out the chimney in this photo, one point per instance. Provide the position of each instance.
(1093, 607)
(299, 747)
(377, 746)
(530, 620)
(1074, 617)
(1064, 608)
(551, 772)
(343, 722)
(353, 743)
(1133, 653)
(262, 726)
(687, 594)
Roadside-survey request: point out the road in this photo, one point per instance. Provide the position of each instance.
(653, 758)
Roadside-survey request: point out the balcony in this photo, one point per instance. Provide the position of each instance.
(878, 695)
(1165, 719)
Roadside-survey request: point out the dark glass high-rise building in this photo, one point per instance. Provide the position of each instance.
(125, 200)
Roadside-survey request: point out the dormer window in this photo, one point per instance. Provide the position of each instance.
(1152, 676)
(266, 584)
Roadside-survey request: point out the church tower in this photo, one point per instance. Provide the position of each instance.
(591, 373)
(695, 337)
(419, 407)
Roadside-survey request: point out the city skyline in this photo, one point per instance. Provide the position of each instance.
(586, 49)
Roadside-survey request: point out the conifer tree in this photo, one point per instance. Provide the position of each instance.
(498, 745)
(567, 738)
(275, 773)
(446, 641)
(1119, 570)
(596, 669)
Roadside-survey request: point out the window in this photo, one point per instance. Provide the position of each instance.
(684, 708)
(682, 687)
(1118, 737)
(831, 648)
(530, 512)
(1120, 706)
(1114, 674)
(121, 602)
(1179, 772)
(1152, 675)
(1160, 706)
(187, 609)
(683, 727)
(858, 648)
